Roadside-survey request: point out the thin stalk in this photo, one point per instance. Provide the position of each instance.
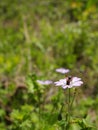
(73, 99)
(68, 115)
(39, 109)
(69, 105)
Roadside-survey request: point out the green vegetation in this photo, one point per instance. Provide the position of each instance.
(36, 37)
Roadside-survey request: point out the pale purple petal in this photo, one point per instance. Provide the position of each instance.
(70, 86)
(64, 86)
(62, 70)
(75, 79)
(47, 82)
(61, 82)
(57, 83)
(78, 83)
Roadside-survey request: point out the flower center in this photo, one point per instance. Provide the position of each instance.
(69, 79)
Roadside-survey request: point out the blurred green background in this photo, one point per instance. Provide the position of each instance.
(38, 36)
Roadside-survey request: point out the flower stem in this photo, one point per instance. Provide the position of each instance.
(73, 99)
(68, 105)
(68, 114)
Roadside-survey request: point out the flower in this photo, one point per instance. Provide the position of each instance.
(62, 70)
(69, 82)
(46, 82)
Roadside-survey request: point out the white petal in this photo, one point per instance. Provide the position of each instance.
(78, 83)
(57, 84)
(64, 86)
(47, 82)
(70, 86)
(61, 82)
(62, 70)
(75, 79)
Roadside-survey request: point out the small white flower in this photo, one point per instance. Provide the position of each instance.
(69, 82)
(62, 70)
(46, 82)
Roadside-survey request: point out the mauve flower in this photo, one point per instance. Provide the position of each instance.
(69, 82)
(62, 70)
(46, 82)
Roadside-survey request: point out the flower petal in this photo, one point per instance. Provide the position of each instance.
(78, 83)
(57, 83)
(62, 70)
(64, 86)
(63, 81)
(75, 79)
(47, 82)
(60, 82)
(70, 86)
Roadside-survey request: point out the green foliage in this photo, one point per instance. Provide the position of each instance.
(35, 38)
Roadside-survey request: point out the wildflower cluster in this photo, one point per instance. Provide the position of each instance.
(67, 82)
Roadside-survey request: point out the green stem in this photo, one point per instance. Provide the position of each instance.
(39, 109)
(68, 114)
(73, 99)
(68, 105)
